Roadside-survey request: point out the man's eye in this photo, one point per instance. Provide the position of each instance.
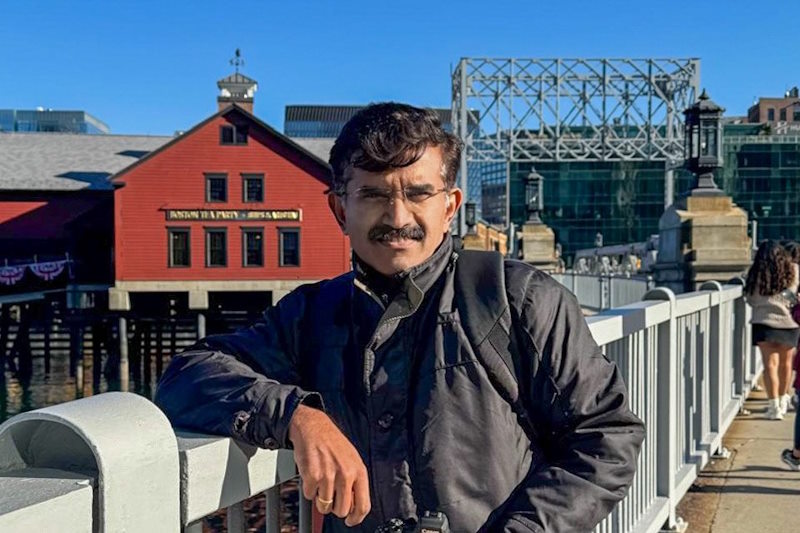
(418, 196)
(373, 195)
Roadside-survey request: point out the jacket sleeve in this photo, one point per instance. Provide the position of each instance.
(243, 385)
(578, 402)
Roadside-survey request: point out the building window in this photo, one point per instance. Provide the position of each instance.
(796, 114)
(216, 188)
(233, 134)
(289, 247)
(770, 115)
(783, 114)
(252, 247)
(178, 242)
(253, 187)
(216, 247)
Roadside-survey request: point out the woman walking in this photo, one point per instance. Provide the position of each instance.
(792, 457)
(771, 289)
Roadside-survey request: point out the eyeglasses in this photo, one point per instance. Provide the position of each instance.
(412, 196)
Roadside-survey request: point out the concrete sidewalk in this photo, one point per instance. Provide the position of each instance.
(753, 490)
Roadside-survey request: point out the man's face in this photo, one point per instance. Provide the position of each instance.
(397, 219)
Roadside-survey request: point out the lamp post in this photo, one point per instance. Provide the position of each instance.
(534, 189)
(703, 144)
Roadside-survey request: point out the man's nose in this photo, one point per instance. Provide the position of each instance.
(397, 213)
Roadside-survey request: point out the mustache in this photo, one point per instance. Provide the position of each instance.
(384, 232)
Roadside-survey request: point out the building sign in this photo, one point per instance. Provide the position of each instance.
(787, 128)
(231, 214)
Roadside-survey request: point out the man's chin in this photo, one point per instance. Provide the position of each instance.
(394, 257)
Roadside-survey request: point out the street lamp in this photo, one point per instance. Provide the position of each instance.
(469, 217)
(534, 197)
(703, 144)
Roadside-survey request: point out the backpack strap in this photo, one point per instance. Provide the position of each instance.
(487, 319)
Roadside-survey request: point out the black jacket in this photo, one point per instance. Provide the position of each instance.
(394, 369)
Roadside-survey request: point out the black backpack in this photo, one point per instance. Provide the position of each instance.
(492, 328)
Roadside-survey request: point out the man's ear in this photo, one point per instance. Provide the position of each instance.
(336, 207)
(454, 199)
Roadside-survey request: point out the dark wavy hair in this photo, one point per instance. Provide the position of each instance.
(793, 249)
(391, 135)
(771, 271)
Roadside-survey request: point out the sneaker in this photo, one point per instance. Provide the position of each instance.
(786, 401)
(788, 457)
(774, 412)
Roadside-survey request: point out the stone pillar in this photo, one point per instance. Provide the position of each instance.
(702, 237)
(539, 246)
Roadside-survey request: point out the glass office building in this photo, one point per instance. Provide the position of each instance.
(624, 201)
(762, 174)
(621, 201)
(326, 121)
(49, 120)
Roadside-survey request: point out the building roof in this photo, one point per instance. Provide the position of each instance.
(68, 162)
(236, 78)
(320, 163)
(319, 146)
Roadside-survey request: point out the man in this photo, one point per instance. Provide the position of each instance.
(371, 378)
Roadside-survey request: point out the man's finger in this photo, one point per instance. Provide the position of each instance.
(344, 495)
(361, 503)
(325, 495)
(309, 487)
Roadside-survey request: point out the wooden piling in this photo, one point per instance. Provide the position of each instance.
(201, 326)
(46, 331)
(159, 323)
(4, 318)
(77, 342)
(146, 354)
(136, 353)
(123, 354)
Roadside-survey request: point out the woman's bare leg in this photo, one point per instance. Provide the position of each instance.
(771, 358)
(786, 358)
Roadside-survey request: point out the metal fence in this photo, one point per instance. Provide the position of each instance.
(112, 462)
(689, 365)
(596, 293)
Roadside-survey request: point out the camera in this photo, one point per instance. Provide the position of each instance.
(429, 522)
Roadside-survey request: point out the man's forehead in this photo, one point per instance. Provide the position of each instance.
(428, 169)
(407, 176)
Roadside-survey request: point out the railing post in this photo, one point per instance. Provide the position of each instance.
(273, 510)
(716, 360)
(744, 370)
(740, 346)
(304, 509)
(122, 439)
(235, 518)
(667, 397)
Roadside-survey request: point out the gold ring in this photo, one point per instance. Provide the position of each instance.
(324, 502)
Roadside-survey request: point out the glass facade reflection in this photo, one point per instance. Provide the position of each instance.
(623, 201)
(762, 173)
(48, 120)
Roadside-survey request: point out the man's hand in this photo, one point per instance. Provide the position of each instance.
(330, 466)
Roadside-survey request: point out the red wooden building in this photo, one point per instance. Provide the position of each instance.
(230, 207)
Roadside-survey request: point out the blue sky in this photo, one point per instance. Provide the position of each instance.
(151, 67)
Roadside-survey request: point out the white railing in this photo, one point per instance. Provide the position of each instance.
(113, 463)
(599, 292)
(689, 365)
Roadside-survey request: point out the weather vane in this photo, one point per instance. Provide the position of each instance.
(237, 61)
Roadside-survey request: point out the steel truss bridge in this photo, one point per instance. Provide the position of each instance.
(510, 110)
